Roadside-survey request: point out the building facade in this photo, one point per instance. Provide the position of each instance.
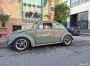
(80, 13)
(23, 13)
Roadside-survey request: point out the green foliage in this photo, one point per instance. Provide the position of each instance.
(62, 11)
(19, 0)
(45, 1)
(3, 17)
(35, 14)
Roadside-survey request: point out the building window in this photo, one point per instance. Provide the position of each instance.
(31, 10)
(82, 21)
(77, 2)
(16, 27)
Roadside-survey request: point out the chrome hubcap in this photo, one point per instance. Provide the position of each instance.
(67, 40)
(21, 44)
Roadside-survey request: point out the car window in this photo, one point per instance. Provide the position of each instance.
(35, 25)
(45, 26)
(58, 26)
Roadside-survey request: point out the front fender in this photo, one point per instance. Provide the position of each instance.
(15, 36)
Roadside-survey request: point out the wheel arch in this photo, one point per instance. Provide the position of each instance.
(65, 34)
(14, 37)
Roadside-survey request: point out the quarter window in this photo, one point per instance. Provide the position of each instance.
(58, 26)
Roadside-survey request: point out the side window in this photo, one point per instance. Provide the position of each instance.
(58, 26)
(45, 26)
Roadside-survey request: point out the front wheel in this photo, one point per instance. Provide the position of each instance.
(67, 40)
(21, 44)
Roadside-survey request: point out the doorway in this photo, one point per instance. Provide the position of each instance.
(73, 20)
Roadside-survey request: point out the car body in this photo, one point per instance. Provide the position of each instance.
(41, 33)
(74, 31)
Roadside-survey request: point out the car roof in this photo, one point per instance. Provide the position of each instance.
(48, 21)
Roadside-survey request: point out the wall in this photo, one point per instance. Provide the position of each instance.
(12, 8)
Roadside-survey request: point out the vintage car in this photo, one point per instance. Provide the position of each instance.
(41, 33)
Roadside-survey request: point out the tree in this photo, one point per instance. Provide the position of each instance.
(62, 11)
(3, 18)
(19, 0)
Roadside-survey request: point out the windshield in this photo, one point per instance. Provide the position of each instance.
(35, 25)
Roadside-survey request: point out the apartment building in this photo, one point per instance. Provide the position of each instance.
(80, 13)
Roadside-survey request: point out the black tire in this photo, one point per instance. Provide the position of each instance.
(67, 40)
(21, 44)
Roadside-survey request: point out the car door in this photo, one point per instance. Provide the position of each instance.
(59, 30)
(45, 33)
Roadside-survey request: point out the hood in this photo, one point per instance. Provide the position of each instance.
(23, 30)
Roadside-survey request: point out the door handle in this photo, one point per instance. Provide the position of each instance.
(47, 34)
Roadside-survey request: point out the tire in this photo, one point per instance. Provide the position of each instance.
(21, 44)
(67, 40)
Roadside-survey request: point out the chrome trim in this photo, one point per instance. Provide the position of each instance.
(47, 44)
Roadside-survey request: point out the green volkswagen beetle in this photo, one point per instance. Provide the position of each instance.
(41, 33)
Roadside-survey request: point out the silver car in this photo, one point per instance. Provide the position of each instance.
(41, 33)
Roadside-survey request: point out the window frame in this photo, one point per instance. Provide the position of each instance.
(59, 27)
(43, 28)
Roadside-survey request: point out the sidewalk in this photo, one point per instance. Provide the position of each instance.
(3, 43)
(85, 31)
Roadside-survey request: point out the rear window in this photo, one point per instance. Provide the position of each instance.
(58, 26)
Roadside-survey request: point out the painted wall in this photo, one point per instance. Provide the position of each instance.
(11, 7)
(49, 10)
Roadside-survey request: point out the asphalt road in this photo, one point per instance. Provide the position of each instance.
(54, 55)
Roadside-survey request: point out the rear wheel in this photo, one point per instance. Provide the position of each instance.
(21, 44)
(67, 40)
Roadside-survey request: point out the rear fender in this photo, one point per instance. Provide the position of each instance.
(65, 33)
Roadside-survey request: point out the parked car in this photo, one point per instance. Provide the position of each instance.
(74, 31)
(41, 33)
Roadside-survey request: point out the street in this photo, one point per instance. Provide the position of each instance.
(78, 54)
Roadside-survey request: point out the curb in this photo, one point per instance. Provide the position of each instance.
(3, 44)
(85, 34)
